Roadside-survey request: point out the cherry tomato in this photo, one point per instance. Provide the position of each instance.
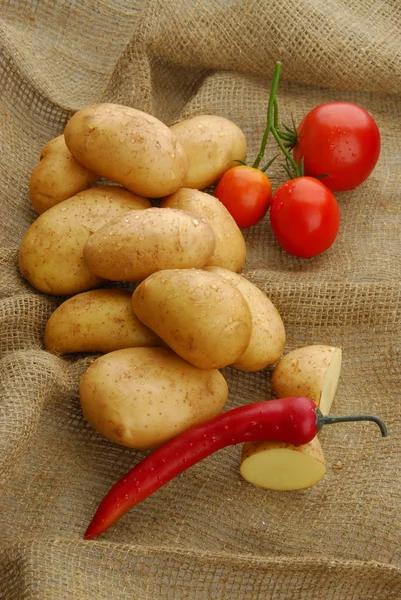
(246, 193)
(304, 216)
(341, 140)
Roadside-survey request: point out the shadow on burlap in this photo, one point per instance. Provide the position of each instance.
(208, 534)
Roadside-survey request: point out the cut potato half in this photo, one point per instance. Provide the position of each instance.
(311, 371)
(282, 467)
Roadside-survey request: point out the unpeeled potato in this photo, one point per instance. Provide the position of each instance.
(127, 146)
(51, 251)
(230, 249)
(97, 321)
(58, 176)
(211, 144)
(133, 246)
(268, 332)
(142, 397)
(204, 319)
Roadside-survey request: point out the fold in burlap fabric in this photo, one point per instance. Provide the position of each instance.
(208, 534)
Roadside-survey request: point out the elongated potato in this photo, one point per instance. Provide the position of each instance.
(57, 177)
(268, 332)
(142, 397)
(311, 371)
(230, 250)
(211, 144)
(283, 467)
(133, 246)
(51, 251)
(97, 321)
(127, 146)
(201, 317)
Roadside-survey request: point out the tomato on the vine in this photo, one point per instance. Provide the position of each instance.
(340, 140)
(246, 193)
(304, 216)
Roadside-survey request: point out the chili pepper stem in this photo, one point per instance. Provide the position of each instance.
(327, 420)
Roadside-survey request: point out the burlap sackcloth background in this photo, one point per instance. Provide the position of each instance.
(208, 534)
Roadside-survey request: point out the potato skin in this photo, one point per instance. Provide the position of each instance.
(127, 146)
(268, 331)
(211, 144)
(230, 250)
(202, 318)
(142, 397)
(51, 251)
(58, 176)
(97, 321)
(133, 246)
(303, 372)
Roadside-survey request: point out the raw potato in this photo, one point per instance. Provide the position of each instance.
(268, 332)
(311, 371)
(201, 317)
(57, 177)
(282, 467)
(133, 246)
(230, 250)
(127, 146)
(97, 321)
(211, 144)
(142, 397)
(51, 251)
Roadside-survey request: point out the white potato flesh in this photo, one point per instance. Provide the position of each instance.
(311, 371)
(283, 467)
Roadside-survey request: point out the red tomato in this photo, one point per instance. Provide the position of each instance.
(339, 139)
(246, 193)
(304, 216)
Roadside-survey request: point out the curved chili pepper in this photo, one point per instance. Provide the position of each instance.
(293, 420)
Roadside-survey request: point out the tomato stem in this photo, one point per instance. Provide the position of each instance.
(272, 121)
(264, 169)
(275, 113)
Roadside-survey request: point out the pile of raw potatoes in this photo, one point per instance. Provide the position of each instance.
(191, 313)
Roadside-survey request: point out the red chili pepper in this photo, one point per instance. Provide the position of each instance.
(294, 420)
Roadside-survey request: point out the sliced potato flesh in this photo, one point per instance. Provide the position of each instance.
(330, 382)
(283, 467)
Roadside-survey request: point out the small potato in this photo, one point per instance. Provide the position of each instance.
(142, 397)
(283, 467)
(97, 321)
(211, 144)
(57, 177)
(268, 332)
(230, 250)
(51, 251)
(127, 146)
(311, 371)
(133, 246)
(201, 317)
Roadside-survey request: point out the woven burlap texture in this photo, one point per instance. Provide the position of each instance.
(208, 534)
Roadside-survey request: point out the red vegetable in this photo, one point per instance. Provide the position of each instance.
(304, 217)
(339, 139)
(293, 420)
(246, 193)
